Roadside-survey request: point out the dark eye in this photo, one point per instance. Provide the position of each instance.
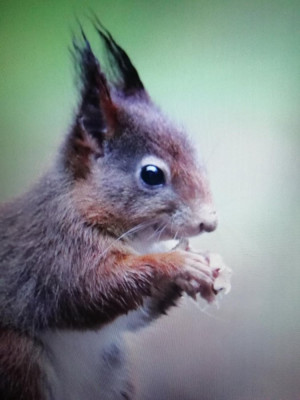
(152, 175)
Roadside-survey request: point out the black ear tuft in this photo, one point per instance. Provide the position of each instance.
(128, 80)
(96, 110)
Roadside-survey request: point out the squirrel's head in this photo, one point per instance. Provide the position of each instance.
(130, 168)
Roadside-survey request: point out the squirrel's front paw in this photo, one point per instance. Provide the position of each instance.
(196, 276)
(222, 273)
(203, 273)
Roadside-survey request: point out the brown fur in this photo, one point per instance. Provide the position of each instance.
(19, 370)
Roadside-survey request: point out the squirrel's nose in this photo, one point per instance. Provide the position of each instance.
(209, 221)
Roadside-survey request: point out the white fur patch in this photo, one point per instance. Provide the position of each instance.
(89, 365)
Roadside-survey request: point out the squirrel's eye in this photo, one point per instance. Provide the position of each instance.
(152, 175)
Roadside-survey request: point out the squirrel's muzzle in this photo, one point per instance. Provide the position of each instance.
(208, 220)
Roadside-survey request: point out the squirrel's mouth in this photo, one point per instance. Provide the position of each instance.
(159, 231)
(182, 233)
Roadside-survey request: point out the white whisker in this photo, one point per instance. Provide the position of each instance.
(153, 234)
(176, 235)
(161, 231)
(135, 229)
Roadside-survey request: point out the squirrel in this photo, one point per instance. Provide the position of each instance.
(77, 252)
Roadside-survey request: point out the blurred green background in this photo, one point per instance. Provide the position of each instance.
(229, 72)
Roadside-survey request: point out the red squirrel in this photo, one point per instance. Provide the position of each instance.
(70, 255)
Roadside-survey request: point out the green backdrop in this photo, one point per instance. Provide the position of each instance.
(229, 72)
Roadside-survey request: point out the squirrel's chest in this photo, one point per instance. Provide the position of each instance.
(88, 365)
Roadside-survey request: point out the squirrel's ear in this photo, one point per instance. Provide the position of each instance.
(96, 119)
(96, 116)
